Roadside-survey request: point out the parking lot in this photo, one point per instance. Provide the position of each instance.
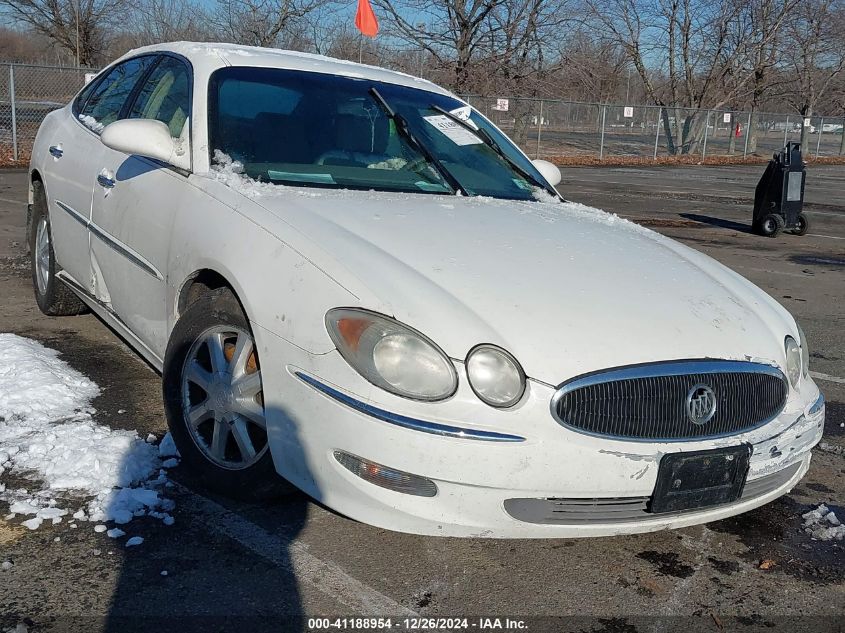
(241, 567)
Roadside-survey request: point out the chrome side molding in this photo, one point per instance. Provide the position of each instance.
(405, 422)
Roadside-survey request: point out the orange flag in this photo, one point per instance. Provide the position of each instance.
(365, 19)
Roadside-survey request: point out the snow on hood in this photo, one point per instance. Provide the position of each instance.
(566, 288)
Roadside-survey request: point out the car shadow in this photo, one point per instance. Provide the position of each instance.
(719, 222)
(135, 166)
(204, 572)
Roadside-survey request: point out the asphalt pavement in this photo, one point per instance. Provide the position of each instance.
(248, 567)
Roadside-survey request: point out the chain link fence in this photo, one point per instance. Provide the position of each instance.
(562, 129)
(27, 94)
(543, 128)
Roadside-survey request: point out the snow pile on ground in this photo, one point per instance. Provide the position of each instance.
(832, 448)
(48, 436)
(823, 525)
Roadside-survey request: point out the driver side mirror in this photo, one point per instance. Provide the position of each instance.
(548, 170)
(148, 138)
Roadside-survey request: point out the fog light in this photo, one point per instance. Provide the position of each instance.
(385, 477)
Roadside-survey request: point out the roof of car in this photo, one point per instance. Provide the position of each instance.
(212, 55)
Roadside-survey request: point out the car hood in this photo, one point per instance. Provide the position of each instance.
(565, 288)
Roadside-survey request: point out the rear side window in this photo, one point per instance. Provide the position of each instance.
(165, 96)
(105, 102)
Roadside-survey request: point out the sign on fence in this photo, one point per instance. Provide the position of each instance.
(726, 117)
(501, 105)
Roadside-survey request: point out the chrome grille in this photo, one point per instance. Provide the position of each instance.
(650, 402)
(624, 509)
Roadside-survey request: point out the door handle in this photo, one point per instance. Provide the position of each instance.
(105, 181)
(56, 151)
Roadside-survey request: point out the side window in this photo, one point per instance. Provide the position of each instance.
(249, 117)
(165, 96)
(105, 102)
(83, 95)
(247, 99)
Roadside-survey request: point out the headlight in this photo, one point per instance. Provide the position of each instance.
(805, 353)
(495, 376)
(793, 361)
(391, 355)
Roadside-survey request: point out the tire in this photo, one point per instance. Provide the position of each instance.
(803, 225)
(52, 296)
(771, 225)
(202, 361)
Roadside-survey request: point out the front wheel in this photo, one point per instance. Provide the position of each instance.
(771, 225)
(214, 400)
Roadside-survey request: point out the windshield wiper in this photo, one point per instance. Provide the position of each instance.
(488, 140)
(404, 130)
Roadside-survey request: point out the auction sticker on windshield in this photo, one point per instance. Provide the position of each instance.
(456, 133)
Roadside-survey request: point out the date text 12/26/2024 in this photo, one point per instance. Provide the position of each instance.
(415, 624)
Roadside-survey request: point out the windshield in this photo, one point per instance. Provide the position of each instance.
(309, 129)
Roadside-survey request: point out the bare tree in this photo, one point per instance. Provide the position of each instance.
(170, 20)
(596, 70)
(21, 46)
(522, 33)
(450, 31)
(260, 22)
(79, 26)
(693, 40)
(815, 55)
(758, 32)
(509, 44)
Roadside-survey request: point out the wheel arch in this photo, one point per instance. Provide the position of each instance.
(34, 176)
(204, 281)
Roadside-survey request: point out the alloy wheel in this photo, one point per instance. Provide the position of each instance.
(42, 255)
(222, 397)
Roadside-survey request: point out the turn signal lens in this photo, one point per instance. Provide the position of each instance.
(385, 477)
(391, 355)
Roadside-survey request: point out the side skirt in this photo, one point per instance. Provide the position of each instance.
(111, 319)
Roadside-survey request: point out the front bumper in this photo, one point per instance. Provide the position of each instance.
(477, 479)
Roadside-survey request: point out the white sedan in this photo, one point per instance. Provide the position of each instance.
(353, 282)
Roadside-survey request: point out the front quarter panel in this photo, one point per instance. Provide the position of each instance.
(281, 290)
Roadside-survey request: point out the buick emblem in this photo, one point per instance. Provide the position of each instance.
(701, 404)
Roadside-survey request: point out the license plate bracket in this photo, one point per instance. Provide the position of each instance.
(700, 479)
